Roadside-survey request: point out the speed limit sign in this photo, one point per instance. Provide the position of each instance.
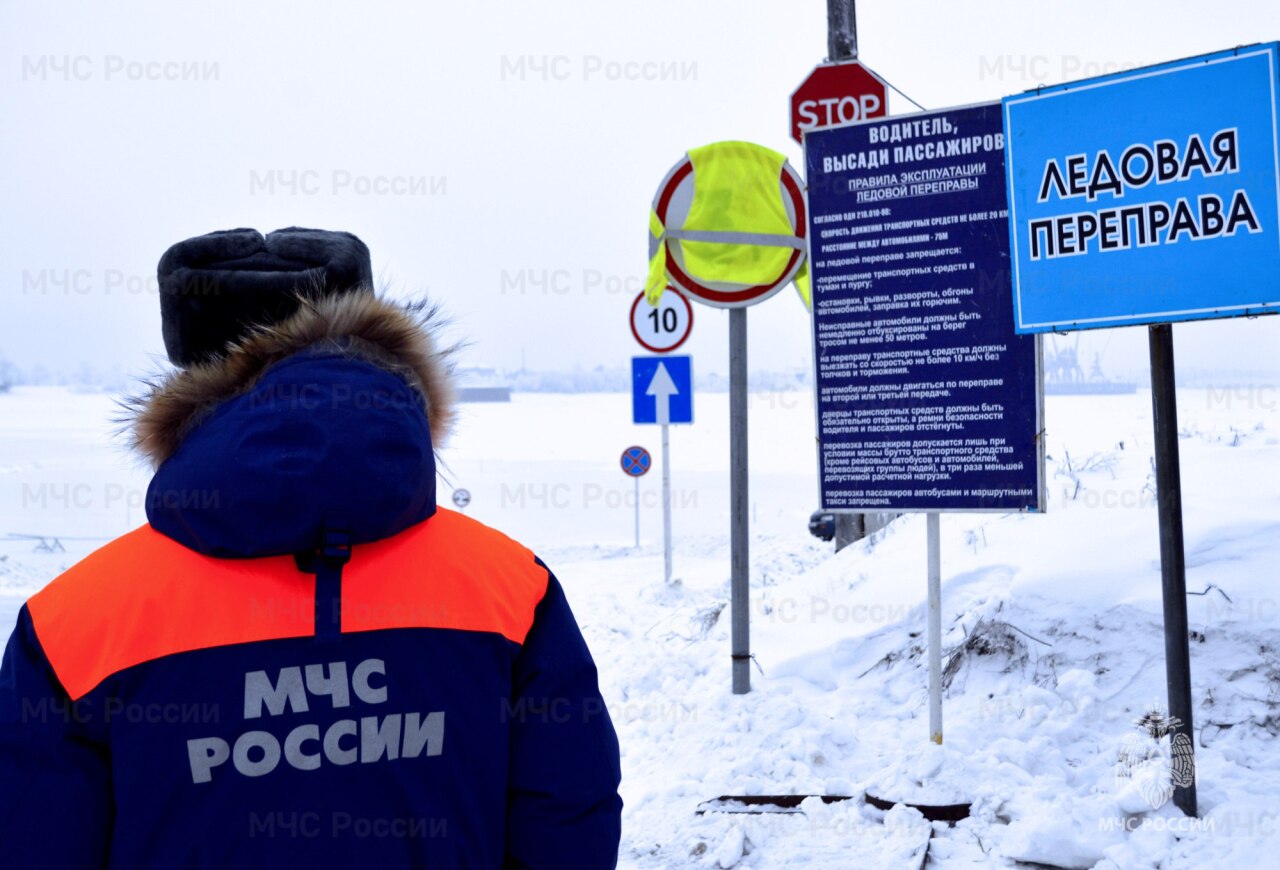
(663, 327)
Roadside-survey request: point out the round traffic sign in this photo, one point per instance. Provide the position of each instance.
(461, 498)
(671, 206)
(663, 327)
(636, 461)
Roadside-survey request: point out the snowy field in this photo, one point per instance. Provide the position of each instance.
(1052, 636)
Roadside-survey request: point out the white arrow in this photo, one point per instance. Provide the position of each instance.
(662, 388)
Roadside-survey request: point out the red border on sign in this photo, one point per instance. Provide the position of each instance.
(728, 297)
(683, 338)
(791, 101)
(622, 461)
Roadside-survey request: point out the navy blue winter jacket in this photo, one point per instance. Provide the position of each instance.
(301, 661)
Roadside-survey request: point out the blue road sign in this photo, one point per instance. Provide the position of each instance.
(662, 389)
(636, 461)
(1147, 196)
(926, 399)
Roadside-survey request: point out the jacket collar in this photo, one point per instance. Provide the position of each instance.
(327, 420)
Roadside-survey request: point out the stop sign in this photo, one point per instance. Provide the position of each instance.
(837, 93)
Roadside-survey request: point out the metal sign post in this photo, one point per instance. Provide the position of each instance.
(662, 388)
(933, 523)
(666, 504)
(842, 45)
(636, 463)
(1173, 572)
(842, 30)
(739, 542)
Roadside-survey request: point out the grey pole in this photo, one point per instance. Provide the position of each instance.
(842, 30)
(1177, 652)
(850, 528)
(842, 44)
(739, 580)
(666, 503)
(637, 479)
(933, 530)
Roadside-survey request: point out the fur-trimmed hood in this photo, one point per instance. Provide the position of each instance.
(401, 339)
(325, 422)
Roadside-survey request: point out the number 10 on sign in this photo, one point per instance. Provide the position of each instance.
(663, 327)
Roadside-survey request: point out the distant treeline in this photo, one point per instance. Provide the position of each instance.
(618, 380)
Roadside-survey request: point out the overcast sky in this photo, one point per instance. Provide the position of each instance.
(499, 157)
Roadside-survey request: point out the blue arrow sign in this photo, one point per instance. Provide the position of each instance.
(662, 389)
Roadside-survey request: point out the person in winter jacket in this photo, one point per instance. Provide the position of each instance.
(301, 660)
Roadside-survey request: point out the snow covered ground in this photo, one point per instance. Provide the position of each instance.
(1052, 635)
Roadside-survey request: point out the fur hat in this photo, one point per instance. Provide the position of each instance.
(399, 338)
(214, 288)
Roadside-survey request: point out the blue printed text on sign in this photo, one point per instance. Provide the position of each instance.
(927, 400)
(1148, 196)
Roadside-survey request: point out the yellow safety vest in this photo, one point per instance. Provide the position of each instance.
(730, 221)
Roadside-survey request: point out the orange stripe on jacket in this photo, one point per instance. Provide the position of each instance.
(145, 596)
(447, 572)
